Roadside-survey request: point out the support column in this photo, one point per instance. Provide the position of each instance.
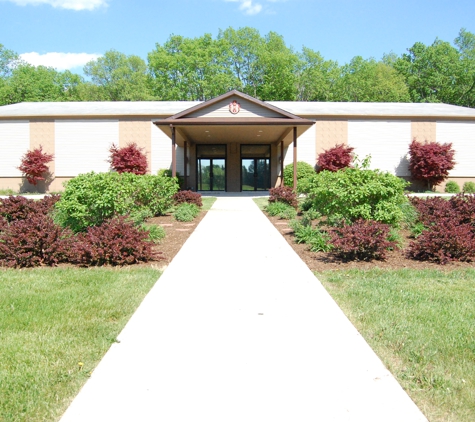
(185, 170)
(173, 151)
(281, 163)
(295, 158)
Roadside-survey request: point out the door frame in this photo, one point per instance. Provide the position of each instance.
(211, 158)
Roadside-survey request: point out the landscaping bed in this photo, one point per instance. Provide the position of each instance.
(324, 261)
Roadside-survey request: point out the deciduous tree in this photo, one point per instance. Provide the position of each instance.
(119, 78)
(431, 161)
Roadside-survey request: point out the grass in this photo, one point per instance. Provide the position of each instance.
(262, 202)
(422, 326)
(7, 192)
(55, 326)
(208, 202)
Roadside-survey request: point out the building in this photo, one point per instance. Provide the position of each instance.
(231, 143)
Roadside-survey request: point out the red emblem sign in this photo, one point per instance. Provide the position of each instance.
(234, 107)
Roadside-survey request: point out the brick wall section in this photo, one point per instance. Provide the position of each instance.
(139, 132)
(42, 133)
(423, 131)
(330, 133)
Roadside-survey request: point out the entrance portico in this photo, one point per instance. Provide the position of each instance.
(233, 142)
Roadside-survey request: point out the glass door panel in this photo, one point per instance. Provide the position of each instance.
(218, 174)
(255, 174)
(211, 174)
(247, 174)
(263, 174)
(204, 173)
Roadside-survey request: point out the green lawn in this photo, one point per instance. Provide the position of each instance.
(55, 325)
(422, 325)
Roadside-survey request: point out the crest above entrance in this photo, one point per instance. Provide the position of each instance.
(241, 128)
(252, 120)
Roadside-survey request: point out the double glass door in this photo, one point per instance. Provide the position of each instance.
(211, 167)
(211, 174)
(255, 174)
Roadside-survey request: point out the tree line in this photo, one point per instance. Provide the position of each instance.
(261, 66)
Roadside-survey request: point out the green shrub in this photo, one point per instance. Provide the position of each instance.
(318, 240)
(89, 199)
(186, 212)
(281, 210)
(409, 214)
(469, 187)
(304, 170)
(354, 193)
(452, 187)
(155, 233)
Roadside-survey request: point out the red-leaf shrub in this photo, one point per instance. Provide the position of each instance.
(283, 194)
(16, 208)
(129, 159)
(444, 242)
(33, 165)
(363, 240)
(189, 197)
(46, 204)
(459, 208)
(34, 241)
(431, 162)
(20, 208)
(336, 158)
(115, 242)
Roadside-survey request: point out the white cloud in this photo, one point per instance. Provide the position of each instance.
(60, 61)
(248, 6)
(251, 7)
(65, 4)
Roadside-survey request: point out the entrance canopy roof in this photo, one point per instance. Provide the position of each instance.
(234, 117)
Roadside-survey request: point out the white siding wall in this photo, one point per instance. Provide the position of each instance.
(462, 137)
(83, 145)
(161, 150)
(306, 148)
(386, 141)
(14, 143)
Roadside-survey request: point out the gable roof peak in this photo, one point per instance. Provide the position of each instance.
(229, 94)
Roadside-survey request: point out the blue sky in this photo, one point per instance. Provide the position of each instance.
(67, 33)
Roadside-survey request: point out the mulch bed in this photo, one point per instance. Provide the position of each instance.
(178, 232)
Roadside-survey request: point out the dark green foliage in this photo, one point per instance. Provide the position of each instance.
(281, 210)
(317, 238)
(354, 193)
(363, 240)
(186, 212)
(155, 233)
(452, 187)
(304, 170)
(469, 187)
(89, 199)
(284, 194)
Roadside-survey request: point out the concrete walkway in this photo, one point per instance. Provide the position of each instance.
(239, 329)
